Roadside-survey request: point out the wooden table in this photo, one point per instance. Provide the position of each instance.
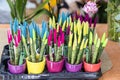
(112, 48)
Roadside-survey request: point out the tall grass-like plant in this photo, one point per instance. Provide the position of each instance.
(18, 10)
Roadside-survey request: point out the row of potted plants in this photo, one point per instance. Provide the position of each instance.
(52, 45)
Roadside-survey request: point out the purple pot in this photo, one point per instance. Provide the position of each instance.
(73, 68)
(16, 69)
(54, 66)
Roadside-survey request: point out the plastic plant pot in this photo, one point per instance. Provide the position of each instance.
(73, 67)
(16, 69)
(35, 68)
(54, 66)
(88, 67)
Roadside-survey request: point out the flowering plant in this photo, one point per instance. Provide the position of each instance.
(90, 8)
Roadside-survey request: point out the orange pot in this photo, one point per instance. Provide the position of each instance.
(92, 67)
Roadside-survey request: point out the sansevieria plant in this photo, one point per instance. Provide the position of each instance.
(95, 48)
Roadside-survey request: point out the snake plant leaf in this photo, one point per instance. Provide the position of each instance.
(21, 59)
(23, 31)
(63, 27)
(44, 28)
(90, 38)
(60, 21)
(95, 39)
(30, 30)
(75, 27)
(79, 37)
(103, 38)
(34, 35)
(15, 26)
(71, 26)
(85, 43)
(82, 44)
(70, 40)
(104, 43)
(53, 22)
(98, 43)
(57, 28)
(50, 23)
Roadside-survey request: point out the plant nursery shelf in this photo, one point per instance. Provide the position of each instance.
(64, 75)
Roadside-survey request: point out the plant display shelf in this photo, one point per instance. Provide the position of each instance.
(64, 75)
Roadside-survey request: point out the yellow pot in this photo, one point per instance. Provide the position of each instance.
(35, 68)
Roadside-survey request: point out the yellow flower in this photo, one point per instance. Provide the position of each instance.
(52, 4)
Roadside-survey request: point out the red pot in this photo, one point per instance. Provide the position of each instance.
(54, 66)
(88, 67)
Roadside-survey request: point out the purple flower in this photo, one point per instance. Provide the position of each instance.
(90, 8)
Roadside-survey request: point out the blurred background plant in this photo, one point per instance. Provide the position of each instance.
(18, 10)
(113, 11)
(31, 5)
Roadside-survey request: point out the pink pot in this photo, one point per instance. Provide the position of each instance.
(54, 66)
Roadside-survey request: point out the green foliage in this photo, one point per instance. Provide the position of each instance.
(18, 8)
(113, 11)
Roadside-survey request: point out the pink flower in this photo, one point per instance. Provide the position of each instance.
(90, 8)
(9, 36)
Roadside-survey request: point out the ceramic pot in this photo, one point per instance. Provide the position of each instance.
(35, 68)
(16, 69)
(73, 67)
(92, 67)
(54, 66)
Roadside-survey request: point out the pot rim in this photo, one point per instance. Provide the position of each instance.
(36, 62)
(81, 62)
(91, 63)
(54, 61)
(16, 65)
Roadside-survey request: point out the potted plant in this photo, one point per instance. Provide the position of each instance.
(75, 54)
(17, 63)
(38, 40)
(76, 46)
(55, 59)
(94, 50)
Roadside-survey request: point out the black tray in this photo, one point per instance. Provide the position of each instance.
(64, 75)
